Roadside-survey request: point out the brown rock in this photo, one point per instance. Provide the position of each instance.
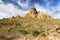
(27, 15)
(17, 17)
(34, 14)
(43, 15)
(33, 11)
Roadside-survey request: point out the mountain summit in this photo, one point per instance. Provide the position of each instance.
(38, 14)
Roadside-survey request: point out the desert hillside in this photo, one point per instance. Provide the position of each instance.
(35, 25)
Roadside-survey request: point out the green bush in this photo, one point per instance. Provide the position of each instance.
(32, 31)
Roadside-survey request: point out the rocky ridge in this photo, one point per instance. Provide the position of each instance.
(34, 14)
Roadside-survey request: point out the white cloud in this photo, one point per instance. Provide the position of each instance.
(24, 4)
(44, 9)
(1, 1)
(48, 7)
(49, 10)
(57, 16)
(56, 11)
(10, 10)
(39, 7)
(56, 8)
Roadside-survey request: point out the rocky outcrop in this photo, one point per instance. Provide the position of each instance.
(43, 15)
(32, 13)
(27, 15)
(17, 17)
(40, 15)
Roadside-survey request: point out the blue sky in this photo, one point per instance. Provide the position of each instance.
(10, 8)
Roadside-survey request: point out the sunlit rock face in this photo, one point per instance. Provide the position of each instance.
(17, 17)
(34, 14)
(33, 11)
(43, 15)
(27, 15)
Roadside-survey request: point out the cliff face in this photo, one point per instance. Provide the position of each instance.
(40, 15)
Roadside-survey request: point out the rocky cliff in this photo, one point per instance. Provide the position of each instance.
(37, 14)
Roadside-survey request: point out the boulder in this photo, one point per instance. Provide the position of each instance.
(33, 12)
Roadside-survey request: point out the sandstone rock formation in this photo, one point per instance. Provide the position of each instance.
(43, 15)
(33, 11)
(27, 15)
(34, 14)
(17, 17)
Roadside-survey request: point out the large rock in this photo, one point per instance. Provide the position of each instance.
(34, 14)
(33, 11)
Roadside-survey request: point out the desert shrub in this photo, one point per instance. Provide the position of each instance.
(22, 32)
(32, 31)
(35, 33)
(12, 30)
(19, 30)
(43, 34)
